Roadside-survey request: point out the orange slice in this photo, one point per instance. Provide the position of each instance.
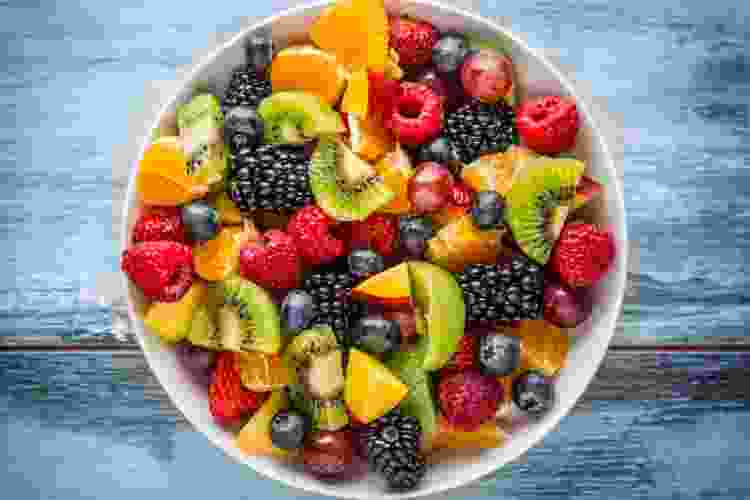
(496, 172)
(460, 243)
(396, 170)
(308, 69)
(357, 94)
(369, 139)
(262, 372)
(163, 178)
(215, 259)
(544, 346)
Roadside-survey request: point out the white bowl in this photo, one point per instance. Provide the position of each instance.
(536, 76)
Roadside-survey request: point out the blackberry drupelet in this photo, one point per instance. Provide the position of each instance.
(511, 290)
(476, 129)
(245, 88)
(271, 177)
(332, 304)
(393, 450)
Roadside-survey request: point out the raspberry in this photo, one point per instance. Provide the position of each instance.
(383, 94)
(377, 232)
(413, 40)
(465, 357)
(160, 224)
(468, 398)
(228, 400)
(417, 116)
(583, 254)
(548, 125)
(272, 262)
(310, 228)
(163, 270)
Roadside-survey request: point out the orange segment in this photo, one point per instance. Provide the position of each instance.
(396, 170)
(163, 178)
(357, 93)
(215, 259)
(263, 372)
(544, 346)
(460, 243)
(369, 139)
(308, 69)
(496, 171)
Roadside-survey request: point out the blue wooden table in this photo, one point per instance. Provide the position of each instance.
(667, 416)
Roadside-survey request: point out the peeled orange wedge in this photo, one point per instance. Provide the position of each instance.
(369, 139)
(396, 170)
(215, 259)
(356, 97)
(163, 178)
(309, 69)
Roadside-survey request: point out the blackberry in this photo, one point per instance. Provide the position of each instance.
(511, 290)
(246, 88)
(476, 129)
(271, 177)
(332, 304)
(393, 450)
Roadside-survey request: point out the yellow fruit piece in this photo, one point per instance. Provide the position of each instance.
(309, 69)
(496, 172)
(371, 390)
(544, 346)
(215, 259)
(163, 179)
(255, 436)
(356, 31)
(487, 436)
(171, 321)
(263, 372)
(460, 243)
(396, 170)
(369, 139)
(356, 97)
(229, 214)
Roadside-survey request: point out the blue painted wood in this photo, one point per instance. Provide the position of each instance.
(81, 425)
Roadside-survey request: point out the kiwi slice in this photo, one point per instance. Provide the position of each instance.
(314, 342)
(325, 414)
(249, 321)
(200, 123)
(203, 330)
(538, 203)
(294, 117)
(345, 187)
(324, 378)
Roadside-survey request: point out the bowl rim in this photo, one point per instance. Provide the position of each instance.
(604, 332)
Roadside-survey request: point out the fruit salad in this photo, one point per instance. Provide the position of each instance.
(367, 250)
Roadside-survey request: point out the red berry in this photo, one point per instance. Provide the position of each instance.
(583, 254)
(417, 116)
(272, 261)
(329, 455)
(413, 40)
(468, 398)
(548, 125)
(378, 232)
(465, 357)
(311, 228)
(160, 224)
(228, 399)
(383, 94)
(462, 195)
(163, 270)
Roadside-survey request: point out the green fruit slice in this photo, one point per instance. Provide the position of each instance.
(203, 331)
(310, 343)
(440, 300)
(325, 414)
(201, 123)
(294, 117)
(172, 321)
(419, 402)
(539, 200)
(345, 187)
(250, 320)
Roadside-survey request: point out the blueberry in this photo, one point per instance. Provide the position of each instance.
(288, 429)
(377, 335)
(499, 355)
(449, 53)
(533, 393)
(414, 231)
(259, 51)
(243, 128)
(441, 151)
(488, 210)
(365, 263)
(297, 311)
(201, 220)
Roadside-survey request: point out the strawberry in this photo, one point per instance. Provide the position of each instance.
(272, 261)
(465, 357)
(378, 232)
(383, 94)
(163, 270)
(160, 224)
(548, 125)
(228, 400)
(583, 254)
(417, 116)
(468, 399)
(310, 227)
(413, 40)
